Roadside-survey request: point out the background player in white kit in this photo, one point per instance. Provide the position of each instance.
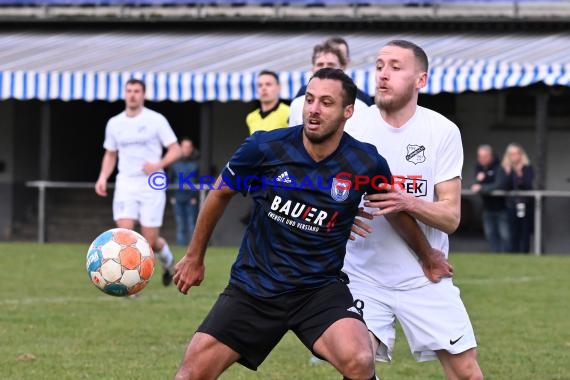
(331, 53)
(384, 273)
(136, 137)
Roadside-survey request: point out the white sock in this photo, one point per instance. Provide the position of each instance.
(165, 256)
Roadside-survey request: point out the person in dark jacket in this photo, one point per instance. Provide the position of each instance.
(184, 200)
(489, 176)
(520, 176)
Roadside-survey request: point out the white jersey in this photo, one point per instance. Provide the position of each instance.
(296, 112)
(428, 145)
(137, 140)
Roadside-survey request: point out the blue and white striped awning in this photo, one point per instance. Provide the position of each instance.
(221, 66)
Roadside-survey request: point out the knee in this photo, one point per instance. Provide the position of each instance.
(359, 365)
(463, 366)
(474, 370)
(471, 371)
(156, 243)
(476, 374)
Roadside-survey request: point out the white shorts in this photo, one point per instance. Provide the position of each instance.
(145, 206)
(432, 317)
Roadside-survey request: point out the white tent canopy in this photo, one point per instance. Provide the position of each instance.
(201, 66)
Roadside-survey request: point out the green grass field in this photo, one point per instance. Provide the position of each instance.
(55, 325)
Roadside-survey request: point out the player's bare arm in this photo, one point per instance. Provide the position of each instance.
(433, 261)
(443, 214)
(359, 227)
(190, 269)
(107, 167)
(173, 153)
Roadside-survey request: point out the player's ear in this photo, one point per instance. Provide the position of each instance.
(422, 80)
(348, 111)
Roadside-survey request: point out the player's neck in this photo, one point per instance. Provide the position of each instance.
(398, 118)
(268, 106)
(133, 112)
(320, 151)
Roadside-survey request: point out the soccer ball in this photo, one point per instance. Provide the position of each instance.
(120, 262)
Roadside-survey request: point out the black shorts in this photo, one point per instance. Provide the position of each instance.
(252, 326)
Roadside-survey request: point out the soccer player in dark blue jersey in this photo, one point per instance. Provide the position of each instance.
(306, 183)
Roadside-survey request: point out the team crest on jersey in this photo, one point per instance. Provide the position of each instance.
(415, 154)
(339, 190)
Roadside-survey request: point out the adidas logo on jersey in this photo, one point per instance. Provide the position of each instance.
(283, 177)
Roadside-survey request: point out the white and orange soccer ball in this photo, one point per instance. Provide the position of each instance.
(120, 262)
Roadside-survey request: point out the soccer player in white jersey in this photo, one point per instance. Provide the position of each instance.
(136, 138)
(333, 54)
(385, 275)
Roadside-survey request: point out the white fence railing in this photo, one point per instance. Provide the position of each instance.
(538, 196)
(42, 187)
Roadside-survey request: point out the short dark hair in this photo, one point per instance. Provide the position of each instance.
(327, 48)
(335, 41)
(419, 53)
(136, 81)
(269, 72)
(348, 86)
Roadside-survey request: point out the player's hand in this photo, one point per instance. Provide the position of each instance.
(393, 201)
(188, 273)
(359, 227)
(476, 188)
(152, 167)
(436, 267)
(101, 188)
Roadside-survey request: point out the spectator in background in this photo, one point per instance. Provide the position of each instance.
(136, 138)
(185, 201)
(520, 209)
(272, 112)
(489, 176)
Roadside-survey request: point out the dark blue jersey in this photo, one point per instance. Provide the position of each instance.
(304, 210)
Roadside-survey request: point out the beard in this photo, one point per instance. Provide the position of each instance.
(396, 102)
(316, 138)
(319, 137)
